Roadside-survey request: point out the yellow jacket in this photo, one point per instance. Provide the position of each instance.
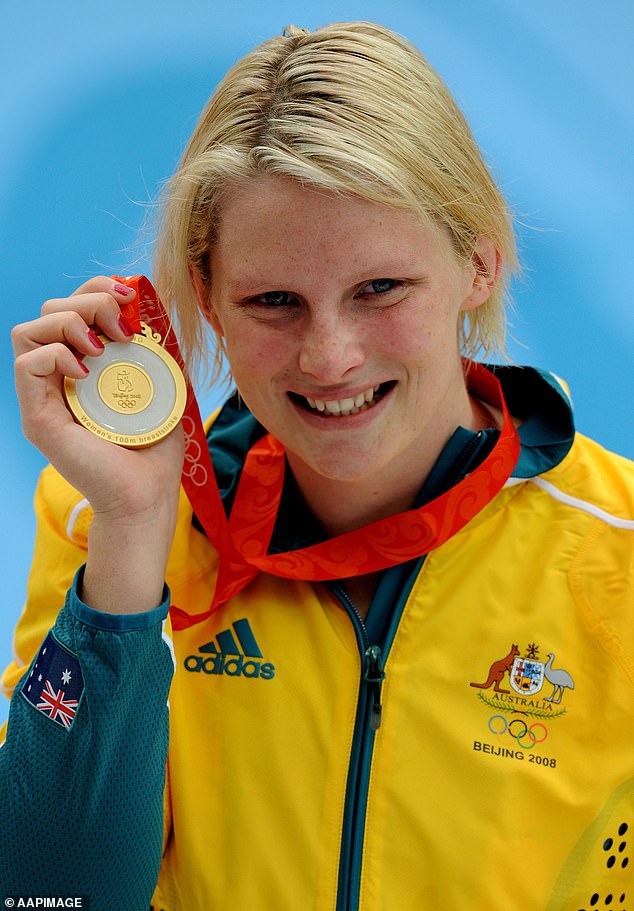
(501, 773)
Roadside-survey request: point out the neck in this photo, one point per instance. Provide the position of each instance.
(342, 506)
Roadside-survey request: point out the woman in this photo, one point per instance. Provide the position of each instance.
(413, 686)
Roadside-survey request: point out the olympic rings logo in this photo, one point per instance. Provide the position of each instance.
(126, 403)
(525, 736)
(192, 468)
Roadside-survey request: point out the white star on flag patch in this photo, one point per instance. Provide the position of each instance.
(55, 683)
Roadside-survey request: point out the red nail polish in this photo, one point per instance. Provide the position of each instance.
(96, 342)
(125, 326)
(82, 365)
(123, 289)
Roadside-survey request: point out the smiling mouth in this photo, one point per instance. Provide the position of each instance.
(335, 408)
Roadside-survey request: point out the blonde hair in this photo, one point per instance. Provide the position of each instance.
(351, 108)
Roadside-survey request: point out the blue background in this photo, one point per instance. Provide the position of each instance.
(97, 101)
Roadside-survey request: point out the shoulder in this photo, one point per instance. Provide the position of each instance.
(597, 488)
(593, 480)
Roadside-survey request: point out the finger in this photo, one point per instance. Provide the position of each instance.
(98, 308)
(107, 284)
(59, 323)
(39, 376)
(68, 327)
(48, 361)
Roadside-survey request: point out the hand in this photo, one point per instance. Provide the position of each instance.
(134, 494)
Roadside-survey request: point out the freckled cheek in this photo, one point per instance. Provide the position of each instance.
(255, 356)
(407, 345)
(432, 332)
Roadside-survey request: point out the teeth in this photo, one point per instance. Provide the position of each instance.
(344, 407)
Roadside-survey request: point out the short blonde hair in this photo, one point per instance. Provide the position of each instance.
(350, 108)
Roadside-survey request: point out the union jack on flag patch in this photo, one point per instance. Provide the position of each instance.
(55, 683)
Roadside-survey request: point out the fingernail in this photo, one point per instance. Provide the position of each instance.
(82, 365)
(123, 289)
(125, 326)
(96, 342)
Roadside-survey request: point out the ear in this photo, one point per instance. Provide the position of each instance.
(485, 268)
(204, 301)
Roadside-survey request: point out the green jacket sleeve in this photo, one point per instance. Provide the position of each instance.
(82, 770)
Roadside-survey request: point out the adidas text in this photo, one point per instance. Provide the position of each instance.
(231, 665)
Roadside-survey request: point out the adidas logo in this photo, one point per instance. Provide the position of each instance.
(225, 655)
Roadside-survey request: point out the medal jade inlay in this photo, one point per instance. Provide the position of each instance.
(134, 394)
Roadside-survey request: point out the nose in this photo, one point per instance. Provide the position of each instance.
(330, 346)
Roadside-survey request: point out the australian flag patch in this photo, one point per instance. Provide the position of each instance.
(55, 683)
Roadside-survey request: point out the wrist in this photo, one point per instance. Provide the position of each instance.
(128, 622)
(126, 564)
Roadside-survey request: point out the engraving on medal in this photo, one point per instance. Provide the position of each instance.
(134, 394)
(126, 388)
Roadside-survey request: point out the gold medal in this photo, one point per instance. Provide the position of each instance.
(134, 395)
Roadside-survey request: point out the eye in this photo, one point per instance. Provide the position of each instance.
(380, 286)
(275, 299)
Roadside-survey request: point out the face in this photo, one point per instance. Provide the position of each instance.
(340, 321)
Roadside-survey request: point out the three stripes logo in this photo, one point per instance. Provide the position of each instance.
(234, 652)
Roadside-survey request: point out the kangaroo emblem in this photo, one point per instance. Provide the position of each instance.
(497, 671)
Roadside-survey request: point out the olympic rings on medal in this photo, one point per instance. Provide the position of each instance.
(525, 732)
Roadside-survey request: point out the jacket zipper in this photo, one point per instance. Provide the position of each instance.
(367, 722)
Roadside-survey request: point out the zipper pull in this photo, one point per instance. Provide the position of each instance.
(374, 675)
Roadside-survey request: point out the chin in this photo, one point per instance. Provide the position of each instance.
(344, 468)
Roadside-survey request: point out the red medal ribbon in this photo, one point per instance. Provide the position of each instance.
(243, 541)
